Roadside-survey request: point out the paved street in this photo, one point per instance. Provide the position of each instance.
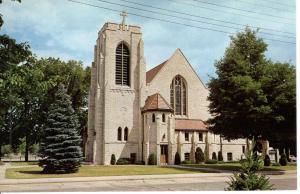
(213, 181)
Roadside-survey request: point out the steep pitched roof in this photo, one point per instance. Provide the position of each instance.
(152, 72)
(156, 102)
(190, 124)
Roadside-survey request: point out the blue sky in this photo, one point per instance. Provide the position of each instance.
(66, 30)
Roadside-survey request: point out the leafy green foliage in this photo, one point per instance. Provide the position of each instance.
(60, 146)
(6, 149)
(211, 161)
(113, 159)
(186, 162)
(214, 156)
(13, 56)
(283, 160)
(122, 161)
(199, 155)
(22, 146)
(267, 161)
(34, 149)
(248, 178)
(152, 159)
(252, 96)
(177, 159)
(220, 156)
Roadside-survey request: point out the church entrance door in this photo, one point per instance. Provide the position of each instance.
(164, 154)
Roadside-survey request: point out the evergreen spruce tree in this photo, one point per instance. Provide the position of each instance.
(60, 146)
(249, 178)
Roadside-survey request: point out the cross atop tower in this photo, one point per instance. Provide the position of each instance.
(123, 14)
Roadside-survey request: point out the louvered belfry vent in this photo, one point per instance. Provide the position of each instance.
(122, 65)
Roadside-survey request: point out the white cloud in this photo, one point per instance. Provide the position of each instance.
(69, 31)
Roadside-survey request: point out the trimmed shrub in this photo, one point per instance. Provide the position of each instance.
(220, 156)
(214, 156)
(276, 164)
(186, 162)
(122, 161)
(199, 155)
(267, 161)
(211, 162)
(152, 159)
(177, 158)
(139, 163)
(283, 160)
(113, 159)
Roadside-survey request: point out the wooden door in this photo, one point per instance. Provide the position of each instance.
(164, 154)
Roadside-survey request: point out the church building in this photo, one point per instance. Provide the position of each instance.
(134, 113)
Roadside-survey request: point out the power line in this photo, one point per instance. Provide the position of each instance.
(231, 13)
(188, 19)
(288, 5)
(234, 8)
(208, 18)
(261, 5)
(169, 21)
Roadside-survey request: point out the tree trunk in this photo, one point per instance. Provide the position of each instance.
(0, 151)
(26, 146)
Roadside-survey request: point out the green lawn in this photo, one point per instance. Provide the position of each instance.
(94, 171)
(16, 163)
(237, 166)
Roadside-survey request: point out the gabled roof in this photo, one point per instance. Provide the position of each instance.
(152, 72)
(190, 124)
(156, 102)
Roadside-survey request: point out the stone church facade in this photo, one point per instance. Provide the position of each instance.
(134, 113)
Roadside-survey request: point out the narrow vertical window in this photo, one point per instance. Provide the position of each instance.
(122, 65)
(153, 118)
(125, 134)
(229, 156)
(178, 98)
(186, 136)
(200, 136)
(163, 118)
(119, 134)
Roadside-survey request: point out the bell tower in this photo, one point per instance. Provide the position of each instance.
(116, 94)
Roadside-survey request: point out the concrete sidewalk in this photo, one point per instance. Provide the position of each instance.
(212, 170)
(110, 178)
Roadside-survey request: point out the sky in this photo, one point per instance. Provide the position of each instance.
(68, 30)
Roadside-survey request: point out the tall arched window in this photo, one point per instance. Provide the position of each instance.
(178, 95)
(125, 134)
(122, 65)
(119, 134)
(163, 118)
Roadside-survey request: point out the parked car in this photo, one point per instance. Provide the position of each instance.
(293, 158)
